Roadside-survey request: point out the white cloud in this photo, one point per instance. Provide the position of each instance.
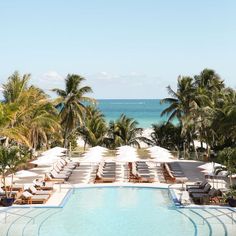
(52, 75)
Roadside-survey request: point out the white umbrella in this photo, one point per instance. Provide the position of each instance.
(92, 158)
(209, 170)
(25, 174)
(44, 162)
(127, 154)
(55, 151)
(158, 149)
(210, 166)
(98, 148)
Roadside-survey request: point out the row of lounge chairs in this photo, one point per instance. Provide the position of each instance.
(142, 172)
(41, 190)
(173, 173)
(35, 195)
(203, 193)
(106, 172)
(61, 172)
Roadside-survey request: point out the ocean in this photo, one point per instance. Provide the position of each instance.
(145, 111)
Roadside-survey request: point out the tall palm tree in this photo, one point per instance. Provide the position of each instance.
(95, 129)
(209, 80)
(180, 104)
(71, 100)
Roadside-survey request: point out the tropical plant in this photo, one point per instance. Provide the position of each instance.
(228, 157)
(205, 110)
(124, 131)
(26, 116)
(180, 105)
(168, 136)
(15, 86)
(71, 100)
(11, 158)
(94, 129)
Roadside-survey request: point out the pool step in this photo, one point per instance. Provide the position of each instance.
(202, 228)
(20, 225)
(219, 220)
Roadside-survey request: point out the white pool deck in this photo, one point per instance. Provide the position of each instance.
(189, 168)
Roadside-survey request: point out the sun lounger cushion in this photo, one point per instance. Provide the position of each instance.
(204, 190)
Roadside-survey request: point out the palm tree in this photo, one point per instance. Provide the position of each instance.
(95, 129)
(27, 116)
(71, 100)
(209, 80)
(179, 102)
(180, 105)
(167, 135)
(11, 158)
(125, 132)
(15, 86)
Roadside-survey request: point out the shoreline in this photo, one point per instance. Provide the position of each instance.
(146, 133)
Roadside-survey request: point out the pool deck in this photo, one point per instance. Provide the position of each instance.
(61, 191)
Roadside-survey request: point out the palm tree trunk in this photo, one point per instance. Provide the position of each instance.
(195, 150)
(6, 143)
(66, 132)
(4, 183)
(85, 143)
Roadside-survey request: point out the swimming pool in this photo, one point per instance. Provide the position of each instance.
(121, 211)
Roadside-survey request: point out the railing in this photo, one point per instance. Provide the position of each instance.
(231, 214)
(17, 214)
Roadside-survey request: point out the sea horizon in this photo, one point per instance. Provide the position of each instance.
(145, 111)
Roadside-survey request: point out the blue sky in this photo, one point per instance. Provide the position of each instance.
(125, 48)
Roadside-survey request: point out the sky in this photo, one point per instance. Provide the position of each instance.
(124, 48)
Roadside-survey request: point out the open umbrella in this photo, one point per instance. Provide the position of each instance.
(126, 154)
(210, 166)
(25, 174)
(56, 151)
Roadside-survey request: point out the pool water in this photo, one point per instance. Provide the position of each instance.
(121, 211)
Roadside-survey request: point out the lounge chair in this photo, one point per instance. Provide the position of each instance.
(48, 177)
(64, 172)
(204, 198)
(59, 176)
(28, 198)
(199, 185)
(68, 164)
(34, 191)
(105, 178)
(206, 189)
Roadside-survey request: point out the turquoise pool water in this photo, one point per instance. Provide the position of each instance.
(124, 211)
(121, 211)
